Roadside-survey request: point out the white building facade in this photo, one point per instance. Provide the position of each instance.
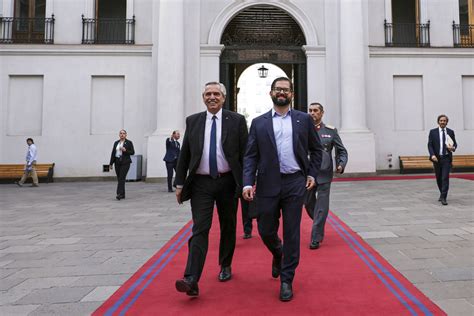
(383, 76)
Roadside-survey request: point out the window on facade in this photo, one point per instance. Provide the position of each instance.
(111, 20)
(29, 22)
(405, 19)
(466, 15)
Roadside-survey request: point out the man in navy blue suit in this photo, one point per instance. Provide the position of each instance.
(171, 156)
(441, 145)
(276, 160)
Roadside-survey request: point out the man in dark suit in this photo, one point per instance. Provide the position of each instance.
(171, 156)
(277, 160)
(210, 171)
(318, 208)
(441, 145)
(120, 156)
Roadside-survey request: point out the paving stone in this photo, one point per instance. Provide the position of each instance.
(459, 307)
(55, 295)
(454, 274)
(447, 231)
(70, 309)
(17, 310)
(59, 241)
(100, 294)
(377, 234)
(102, 280)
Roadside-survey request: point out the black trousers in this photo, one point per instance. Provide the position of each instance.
(317, 207)
(121, 171)
(290, 202)
(170, 166)
(205, 193)
(246, 220)
(442, 169)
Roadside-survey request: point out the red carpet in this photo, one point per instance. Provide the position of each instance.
(344, 277)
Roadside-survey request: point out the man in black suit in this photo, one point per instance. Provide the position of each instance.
(441, 145)
(171, 156)
(276, 160)
(209, 172)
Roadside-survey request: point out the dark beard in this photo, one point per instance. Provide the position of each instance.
(281, 103)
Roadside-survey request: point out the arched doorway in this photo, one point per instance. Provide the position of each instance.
(263, 34)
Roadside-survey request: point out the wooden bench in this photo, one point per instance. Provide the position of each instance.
(423, 163)
(15, 171)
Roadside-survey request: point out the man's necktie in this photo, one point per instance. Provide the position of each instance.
(444, 142)
(213, 151)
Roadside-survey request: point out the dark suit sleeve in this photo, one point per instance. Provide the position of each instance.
(243, 138)
(341, 152)
(454, 140)
(251, 157)
(129, 150)
(112, 155)
(315, 150)
(184, 158)
(430, 145)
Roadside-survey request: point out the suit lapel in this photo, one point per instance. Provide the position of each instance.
(295, 121)
(269, 128)
(202, 129)
(225, 126)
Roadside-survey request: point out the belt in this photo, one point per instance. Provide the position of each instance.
(219, 175)
(291, 175)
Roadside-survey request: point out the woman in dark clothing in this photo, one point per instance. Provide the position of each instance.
(120, 156)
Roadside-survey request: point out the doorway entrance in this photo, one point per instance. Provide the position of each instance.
(263, 34)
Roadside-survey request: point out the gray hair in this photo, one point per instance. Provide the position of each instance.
(221, 85)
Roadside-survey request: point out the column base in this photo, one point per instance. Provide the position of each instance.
(360, 146)
(156, 149)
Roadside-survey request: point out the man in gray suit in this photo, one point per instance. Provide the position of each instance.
(317, 200)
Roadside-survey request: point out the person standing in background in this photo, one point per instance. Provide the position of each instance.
(171, 157)
(317, 201)
(120, 156)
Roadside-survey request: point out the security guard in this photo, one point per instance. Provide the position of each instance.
(317, 200)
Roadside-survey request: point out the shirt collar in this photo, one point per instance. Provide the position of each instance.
(441, 130)
(209, 115)
(274, 113)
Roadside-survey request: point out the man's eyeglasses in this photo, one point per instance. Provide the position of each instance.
(284, 90)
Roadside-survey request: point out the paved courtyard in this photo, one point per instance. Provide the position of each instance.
(66, 247)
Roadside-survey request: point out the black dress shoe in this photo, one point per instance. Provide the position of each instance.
(314, 244)
(225, 274)
(440, 198)
(188, 286)
(443, 201)
(170, 190)
(276, 266)
(118, 197)
(286, 292)
(247, 235)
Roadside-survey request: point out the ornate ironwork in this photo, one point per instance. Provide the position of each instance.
(27, 30)
(463, 35)
(407, 34)
(108, 31)
(263, 25)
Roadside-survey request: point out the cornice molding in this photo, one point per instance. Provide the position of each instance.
(75, 50)
(432, 52)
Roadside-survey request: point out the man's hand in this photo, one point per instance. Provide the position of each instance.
(433, 158)
(111, 167)
(339, 169)
(248, 194)
(310, 183)
(178, 195)
(451, 148)
(124, 149)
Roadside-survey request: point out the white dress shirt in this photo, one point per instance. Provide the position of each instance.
(222, 164)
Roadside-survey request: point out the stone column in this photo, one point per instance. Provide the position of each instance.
(316, 73)
(359, 141)
(168, 79)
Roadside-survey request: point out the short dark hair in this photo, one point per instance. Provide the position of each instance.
(442, 115)
(30, 139)
(319, 105)
(281, 79)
